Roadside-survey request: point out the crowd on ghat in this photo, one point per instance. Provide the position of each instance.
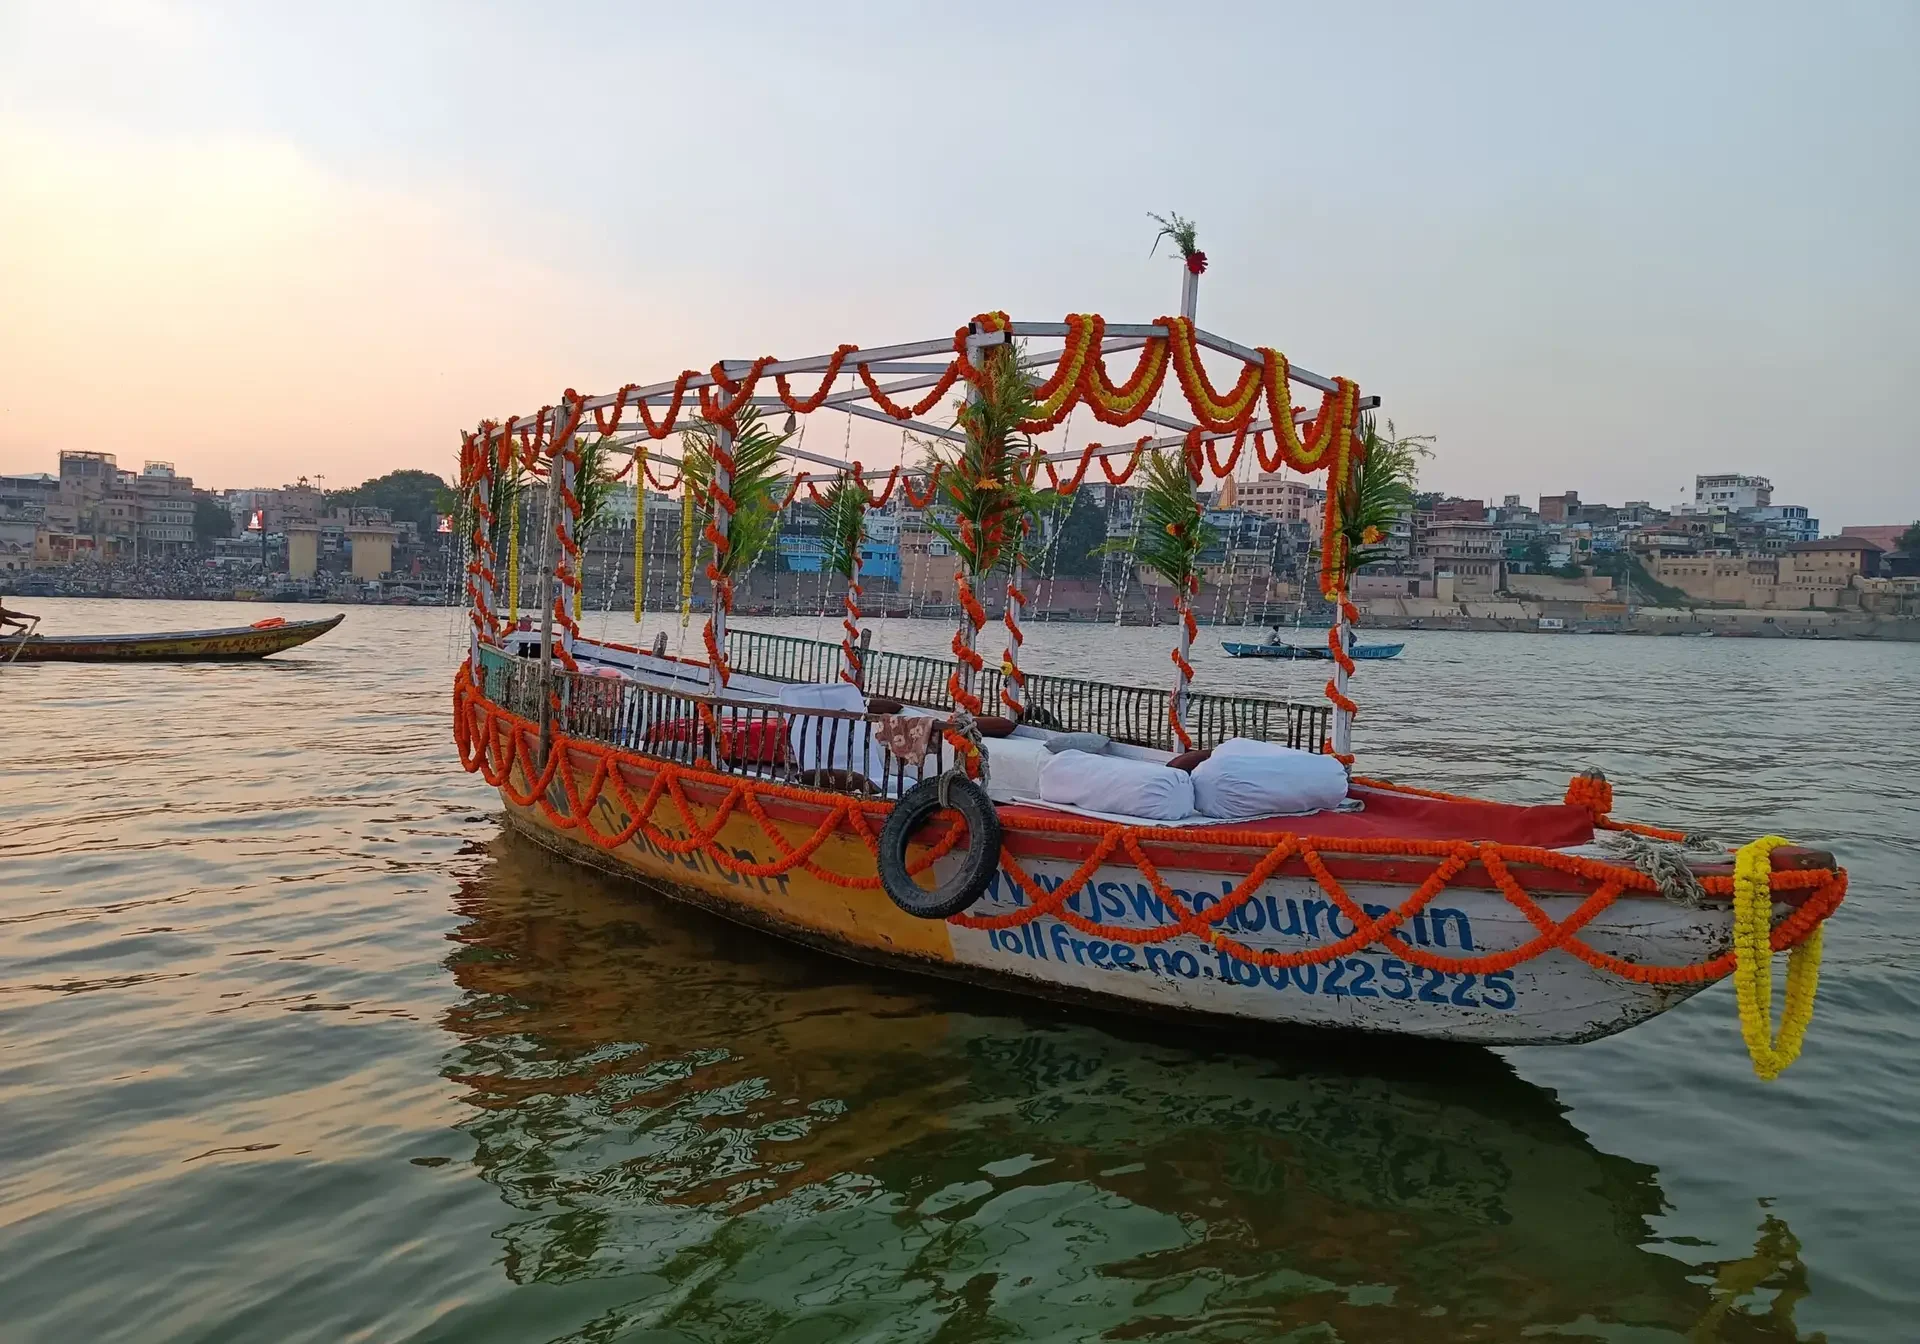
(182, 578)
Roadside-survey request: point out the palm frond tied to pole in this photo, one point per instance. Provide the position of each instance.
(844, 507)
(509, 484)
(981, 488)
(1375, 493)
(595, 486)
(733, 472)
(1379, 493)
(1170, 536)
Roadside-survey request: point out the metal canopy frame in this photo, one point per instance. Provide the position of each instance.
(906, 358)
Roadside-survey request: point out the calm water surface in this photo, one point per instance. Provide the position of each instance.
(296, 1044)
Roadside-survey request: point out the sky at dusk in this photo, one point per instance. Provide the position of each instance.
(1586, 247)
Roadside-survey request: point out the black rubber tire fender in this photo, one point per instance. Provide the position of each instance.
(982, 860)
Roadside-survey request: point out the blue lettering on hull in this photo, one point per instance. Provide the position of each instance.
(1372, 976)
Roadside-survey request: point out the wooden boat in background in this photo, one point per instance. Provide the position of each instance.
(233, 644)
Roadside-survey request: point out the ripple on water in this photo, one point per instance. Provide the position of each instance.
(295, 1044)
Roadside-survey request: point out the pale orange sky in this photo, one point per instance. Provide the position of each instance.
(1589, 250)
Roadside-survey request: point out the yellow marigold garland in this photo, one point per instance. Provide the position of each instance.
(686, 552)
(639, 531)
(1753, 964)
(1208, 408)
(513, 562)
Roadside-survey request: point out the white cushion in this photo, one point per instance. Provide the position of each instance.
(1114, 785)
(1013, 767)
(816, 743)
(824, 695)
(1244, 779)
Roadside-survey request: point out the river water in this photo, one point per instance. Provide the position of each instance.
(296, 1044)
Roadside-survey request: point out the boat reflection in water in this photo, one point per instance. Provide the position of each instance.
(713, 1135)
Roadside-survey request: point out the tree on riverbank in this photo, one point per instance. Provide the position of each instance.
(410, 496)
(210, 521)
(1626, 571)
(1910, 540)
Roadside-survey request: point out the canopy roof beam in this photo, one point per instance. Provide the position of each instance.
(1118, 337)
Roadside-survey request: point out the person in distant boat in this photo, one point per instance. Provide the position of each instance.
(1273, 635)
(14, 620)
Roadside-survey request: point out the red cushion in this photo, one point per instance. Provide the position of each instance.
(754, 742)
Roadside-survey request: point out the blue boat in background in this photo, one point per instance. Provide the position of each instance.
(1278, 649)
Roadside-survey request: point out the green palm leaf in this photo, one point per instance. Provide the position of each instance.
(758, 487)
(1379, 491)
(843, 522)
(1171, 531)
(980, 480)
(593, 483)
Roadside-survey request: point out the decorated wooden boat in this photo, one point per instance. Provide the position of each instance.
(1359, 652)
(232, 644)
(867, 803)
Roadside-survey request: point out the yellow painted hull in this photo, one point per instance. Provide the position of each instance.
(186, 646)
(858, 921)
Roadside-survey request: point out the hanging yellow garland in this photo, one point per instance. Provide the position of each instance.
(1753, 964)
(639, 531)
(686, 551)
(513, 560)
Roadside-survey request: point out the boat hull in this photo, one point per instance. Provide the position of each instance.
(237, 644)
(1363, 652)
(1551, 997)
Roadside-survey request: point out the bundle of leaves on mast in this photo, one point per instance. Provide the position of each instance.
(1169, 538)
(756, 489)
(982, 488)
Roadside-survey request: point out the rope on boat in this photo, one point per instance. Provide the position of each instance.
(1667, 862)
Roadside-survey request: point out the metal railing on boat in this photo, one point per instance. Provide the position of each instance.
(833, 750)
(1133, 714)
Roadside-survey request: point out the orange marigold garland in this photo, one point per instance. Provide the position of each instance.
(501, 747)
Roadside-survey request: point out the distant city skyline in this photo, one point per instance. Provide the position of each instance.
(1591, 250)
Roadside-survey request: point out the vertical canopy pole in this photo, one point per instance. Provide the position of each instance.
(855, 639)
(546, 613)
(1189, 292)
(719, 595)
(480, 562)
(1342, 719)
(563, 529)
(966, 637)
(1183, 596)
(1013, 682)
(639, 534)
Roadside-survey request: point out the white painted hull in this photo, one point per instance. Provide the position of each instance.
(1552, 997)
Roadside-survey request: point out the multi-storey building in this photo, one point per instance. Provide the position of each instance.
(163, 504)
(1272, 495)
(1817, 573)
(1731, 491)
(1472, 552)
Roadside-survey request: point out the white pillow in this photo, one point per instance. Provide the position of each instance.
(824, 695)
(816, 743)
(1115, 785)
(1014, 767)
(1243, 778)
